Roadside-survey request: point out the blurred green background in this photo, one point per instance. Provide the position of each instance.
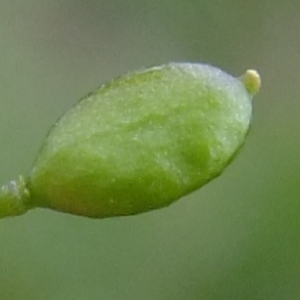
(236, 238)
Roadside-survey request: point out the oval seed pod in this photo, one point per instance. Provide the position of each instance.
(140, 142)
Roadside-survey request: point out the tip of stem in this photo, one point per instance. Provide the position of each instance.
(13, 198)
(252, 81)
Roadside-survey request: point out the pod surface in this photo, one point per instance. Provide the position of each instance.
(142, 141)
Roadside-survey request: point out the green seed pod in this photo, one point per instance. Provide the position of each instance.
(140, 142)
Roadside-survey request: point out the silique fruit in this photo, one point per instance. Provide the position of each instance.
(138, 143)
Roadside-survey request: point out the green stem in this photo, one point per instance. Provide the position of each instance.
(13, 198)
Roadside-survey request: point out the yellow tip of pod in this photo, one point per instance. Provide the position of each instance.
(252, 81)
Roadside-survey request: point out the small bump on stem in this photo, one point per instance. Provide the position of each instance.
(252, 81)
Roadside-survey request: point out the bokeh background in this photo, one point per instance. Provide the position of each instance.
(236, 238)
